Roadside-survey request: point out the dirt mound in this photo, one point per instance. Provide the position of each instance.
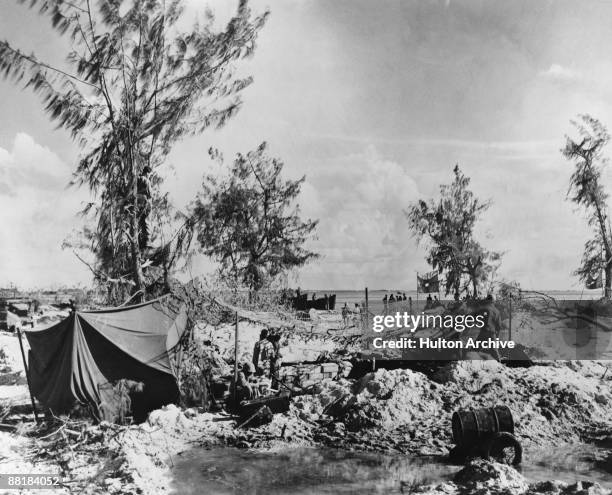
(405, 410)
(483, 477)
(391, 399)
(487, 478)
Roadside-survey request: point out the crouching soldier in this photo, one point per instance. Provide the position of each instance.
(244, 388)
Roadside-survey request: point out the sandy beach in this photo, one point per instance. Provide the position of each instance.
(402, 413)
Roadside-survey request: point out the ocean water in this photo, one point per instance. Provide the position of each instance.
(376, 295)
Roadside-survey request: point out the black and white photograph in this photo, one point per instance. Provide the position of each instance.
(306, 247)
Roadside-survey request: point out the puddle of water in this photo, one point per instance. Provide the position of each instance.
(312, 471)
(305, 471)
(569, 464)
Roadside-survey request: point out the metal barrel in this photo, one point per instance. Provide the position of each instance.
(470, 426)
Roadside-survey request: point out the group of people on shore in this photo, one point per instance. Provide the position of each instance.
(262, 372)
(432, 302)
(401, 296)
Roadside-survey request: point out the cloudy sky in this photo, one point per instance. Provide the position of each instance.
(375, 101)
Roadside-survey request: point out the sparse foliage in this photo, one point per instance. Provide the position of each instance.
(447, 225)
(248, 221)
(586, 190)
(136, 83)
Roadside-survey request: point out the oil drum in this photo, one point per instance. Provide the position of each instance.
(472, 425)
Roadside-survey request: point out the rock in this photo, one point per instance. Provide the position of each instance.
(168, 417)
(317, 388)
(480, 474)
(191, 413)
(601, 399)
(361, 385)
(442, 489)
(585, 488)
(113, 485)
(374, 387)
(305, 416)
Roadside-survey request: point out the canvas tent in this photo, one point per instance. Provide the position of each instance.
(79, 359)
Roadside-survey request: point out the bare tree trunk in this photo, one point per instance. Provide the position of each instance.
(606, 247)
(137, 272)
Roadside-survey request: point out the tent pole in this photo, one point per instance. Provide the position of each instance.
(27, 373)
(510, 319)
(236, 358)
(417, 301)
(367, 313)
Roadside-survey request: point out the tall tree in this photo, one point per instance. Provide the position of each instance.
(586, 190)
(447, 225)
(136, 82)
(249, 222)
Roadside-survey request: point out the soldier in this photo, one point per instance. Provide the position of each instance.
(243, 388)
(345, 315)
(276, 361)
(263, 353)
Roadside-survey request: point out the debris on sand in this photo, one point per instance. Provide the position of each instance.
(488, 478)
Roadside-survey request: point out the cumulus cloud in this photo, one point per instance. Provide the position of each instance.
(557, 72)
(38, 212)
(360, 201)
(364, 235)
(530, 220)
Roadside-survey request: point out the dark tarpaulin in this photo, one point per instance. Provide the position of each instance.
(78, 359)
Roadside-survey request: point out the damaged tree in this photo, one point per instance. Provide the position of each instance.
(136, 83)
(448, 226)
(586, 190)
(249, 223)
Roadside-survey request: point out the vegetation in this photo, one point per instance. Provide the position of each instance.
(248, 221)
(586, 190)
(134, 85)
(447, 225)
